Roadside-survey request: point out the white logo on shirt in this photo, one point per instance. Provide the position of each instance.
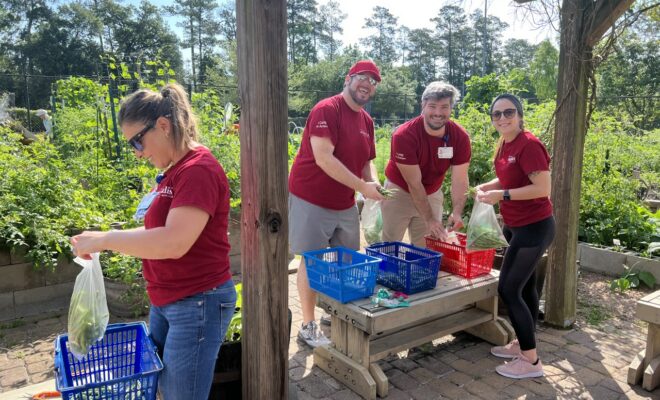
(322, 125)
(400, 156)
(511, 159)
(167, 192)
(364, 133)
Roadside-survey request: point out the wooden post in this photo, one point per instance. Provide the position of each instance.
(262, 66)
(583, 22)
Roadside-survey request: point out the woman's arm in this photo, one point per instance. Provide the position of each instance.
(540, 187)
(182, 228)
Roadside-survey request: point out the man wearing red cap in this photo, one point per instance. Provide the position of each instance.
(422, 151)
(333, 162)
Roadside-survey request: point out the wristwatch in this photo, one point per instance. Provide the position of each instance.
(506, 196)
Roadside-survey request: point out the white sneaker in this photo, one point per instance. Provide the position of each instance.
(312, 335)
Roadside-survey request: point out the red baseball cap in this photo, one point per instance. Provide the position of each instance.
(364, 66)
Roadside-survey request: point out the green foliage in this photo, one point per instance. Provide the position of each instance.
(77, 92)
(235, 328)
(631, 279)
(544, 69)
(609, 207)
(42, 201)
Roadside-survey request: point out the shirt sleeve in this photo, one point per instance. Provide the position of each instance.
(462, 149)
(404, 149)
(534, 157)
(323, 121)
(198, 187)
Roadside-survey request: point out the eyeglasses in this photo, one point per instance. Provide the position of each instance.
(508, 114)
(363, 78)
(136, 140)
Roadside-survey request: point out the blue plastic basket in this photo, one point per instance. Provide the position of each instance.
(122, 365)
(341, 273)
(406, 268)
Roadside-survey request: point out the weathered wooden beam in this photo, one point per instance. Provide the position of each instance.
(581, 20)
(262, 84)
(568, 150)
(603, 17)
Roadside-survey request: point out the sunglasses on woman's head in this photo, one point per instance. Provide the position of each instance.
(508, 114)
(136, 140)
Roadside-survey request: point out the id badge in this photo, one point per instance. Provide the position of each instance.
(144, 205)
(445, 152)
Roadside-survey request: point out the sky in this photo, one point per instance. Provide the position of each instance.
(417, 14)
(413, 14)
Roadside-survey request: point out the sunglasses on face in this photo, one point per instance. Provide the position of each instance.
(136, 140)
(363, 78)
(508, 114)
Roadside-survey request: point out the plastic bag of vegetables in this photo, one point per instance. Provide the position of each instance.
(88, 310)
(372, 221)
(483, 231)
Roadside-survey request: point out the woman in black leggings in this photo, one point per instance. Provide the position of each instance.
(522, 188)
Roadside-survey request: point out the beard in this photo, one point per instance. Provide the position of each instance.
(355, 96)
(435, 126)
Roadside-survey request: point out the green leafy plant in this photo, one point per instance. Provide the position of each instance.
(632, 278)
(235, 329)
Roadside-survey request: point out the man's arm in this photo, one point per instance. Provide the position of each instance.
(413, 177)
(369, 173)
(323, 150)
(459, 187)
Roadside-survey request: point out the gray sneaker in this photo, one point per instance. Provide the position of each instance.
(312, 335)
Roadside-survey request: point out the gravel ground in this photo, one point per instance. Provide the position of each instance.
(605, 310)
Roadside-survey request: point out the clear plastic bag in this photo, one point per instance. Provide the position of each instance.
(88, 310)
(483, 231)
(372, 221)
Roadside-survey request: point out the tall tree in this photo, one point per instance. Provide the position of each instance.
(544, 68)
(380, 45)
(450, 25)
(301, 17)
(518, 53)
(421, 58)
(488, 31)
(227, 20)
(403, 43)
(331, 18)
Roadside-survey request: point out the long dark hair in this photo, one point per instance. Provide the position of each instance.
(146, 106)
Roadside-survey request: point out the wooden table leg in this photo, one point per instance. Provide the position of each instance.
(636, 368)
(652, 358)
(491, 331)
(382, 384)
(346, 370)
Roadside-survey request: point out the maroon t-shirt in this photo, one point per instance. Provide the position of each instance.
(199, 181)
(412, 145)
(514, 162)
(352, 134)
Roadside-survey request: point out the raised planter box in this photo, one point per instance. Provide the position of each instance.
(610, 262)
(25, 292)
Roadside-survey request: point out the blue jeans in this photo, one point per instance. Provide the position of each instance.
(188, 334)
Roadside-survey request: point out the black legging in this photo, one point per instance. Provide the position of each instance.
(517, 286)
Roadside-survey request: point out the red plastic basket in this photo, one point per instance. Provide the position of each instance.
(458, 261)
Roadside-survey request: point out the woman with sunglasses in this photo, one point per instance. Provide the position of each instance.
(522, 189)
(183, 244)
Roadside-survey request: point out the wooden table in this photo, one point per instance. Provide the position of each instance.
(646, 365)
(363, 334)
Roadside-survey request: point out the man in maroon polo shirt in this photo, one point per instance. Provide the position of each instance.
(422, 151)
(334, 161)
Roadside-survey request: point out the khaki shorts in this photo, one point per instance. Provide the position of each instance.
(399, 214)
(313, 228)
